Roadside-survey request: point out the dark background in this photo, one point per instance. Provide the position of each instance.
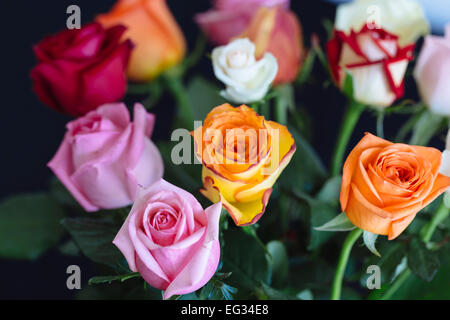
(31, 132)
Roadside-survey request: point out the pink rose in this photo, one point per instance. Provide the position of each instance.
(170, 240)
(432, 73)
(104, 156)
(230, 18)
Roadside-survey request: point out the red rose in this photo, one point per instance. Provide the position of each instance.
(81, 69)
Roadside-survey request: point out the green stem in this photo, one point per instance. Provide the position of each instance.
(176, 88)
(351, 118)
(439, 216)
(342, 264)
(401, 278)
(426, 233)
(280, 111)
(380, 124)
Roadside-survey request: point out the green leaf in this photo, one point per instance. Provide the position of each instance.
(306, 171)
(369, 241)
(270, 293)
(338, 223)
(426, 127)
(246, 259)
(94, 237)
(109, 279)
(61, 194)
(437, 289)
(203, 96)
(392, 253)
(305, 295)
(29, 225)
(331, 190)
(422, 261)
(217, 290)
(279, 261)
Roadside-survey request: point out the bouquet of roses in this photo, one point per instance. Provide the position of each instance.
(235, 203)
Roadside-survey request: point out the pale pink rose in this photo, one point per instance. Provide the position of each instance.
(170, 240)
(229, 18)
(104, 157)
(432, 73)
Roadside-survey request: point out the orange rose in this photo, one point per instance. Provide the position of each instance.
(385, 184)
(160, 44)
(242, 156)
(278, 31)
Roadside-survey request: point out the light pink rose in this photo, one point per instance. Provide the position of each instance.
(170, 240)
(104, 157)
(229, 18)
(432, 73)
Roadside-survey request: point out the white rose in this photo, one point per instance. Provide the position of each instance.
(375, 61)
(404, 18)
(246, 79)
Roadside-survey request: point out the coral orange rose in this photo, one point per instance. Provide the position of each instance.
(242, 156)
(278, 31)
(385, 184)
(160, 44)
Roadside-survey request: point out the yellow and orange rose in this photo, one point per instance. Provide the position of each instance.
(159, 41)
(242, 156)
(385, 184)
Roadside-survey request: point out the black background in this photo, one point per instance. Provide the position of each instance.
(31, 132)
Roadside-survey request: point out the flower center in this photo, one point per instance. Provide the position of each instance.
(237, 59)
(163, 220)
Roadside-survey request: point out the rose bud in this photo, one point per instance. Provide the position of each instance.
(246, 79)
(432, 73)
(104, 157)
(80, 69)
(385, 184)
(160, 44)
(242, 156)
(170, 240)
(374, 60)
(405, 18)
(229, 18)
(278, 31)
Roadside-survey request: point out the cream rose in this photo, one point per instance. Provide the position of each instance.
(404, 18)
(246, 79)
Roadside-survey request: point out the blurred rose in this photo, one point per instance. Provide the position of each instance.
(170, 240)
(160, 44)
(374, 60)
(432, 73)
(242, 155)
(405, 18)
(385, 184)
(445, 166)
(80, 69)
(247, 80)
(278, 31)
(104, 156)
(229, 18)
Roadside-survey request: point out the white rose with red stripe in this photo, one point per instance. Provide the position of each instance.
(375, 61)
